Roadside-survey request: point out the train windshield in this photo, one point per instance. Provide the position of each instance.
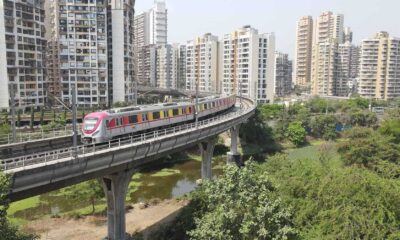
(89, 124)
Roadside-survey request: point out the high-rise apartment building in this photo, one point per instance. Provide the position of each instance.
(151, 27)
(283, 74)
(91, 48)
(347, 69)
(348, 35)
(122, 84)
(266, 68)
(328, 34)
(380, 67)
(22, 53)
(304, 38)
(142, 30)
(202, 64)
(329, 26)
(167, 66)
(324, 68)
(246, 65)
(158, 28)
(146, 65)
(77, 51)
(181, 84)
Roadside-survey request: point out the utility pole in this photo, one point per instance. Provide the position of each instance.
(240, 92)
(196, 104)
(74, 122)
(136, 92)
(13, 127)
(197, 85)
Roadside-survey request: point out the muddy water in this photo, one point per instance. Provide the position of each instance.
(150, 187)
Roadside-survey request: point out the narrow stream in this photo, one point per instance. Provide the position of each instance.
(151, 184)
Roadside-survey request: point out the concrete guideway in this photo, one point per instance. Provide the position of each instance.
(115, 163)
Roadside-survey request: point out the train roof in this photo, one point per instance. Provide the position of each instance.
(160, 106)
(148, 107)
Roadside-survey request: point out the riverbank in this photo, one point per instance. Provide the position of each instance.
(138, 219)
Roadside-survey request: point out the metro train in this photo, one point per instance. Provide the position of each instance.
(100, 127)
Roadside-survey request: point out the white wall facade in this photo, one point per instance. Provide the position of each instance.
(248, 64)
(202, 64)
(158, 27)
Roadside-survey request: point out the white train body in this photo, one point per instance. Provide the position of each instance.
(99, 127)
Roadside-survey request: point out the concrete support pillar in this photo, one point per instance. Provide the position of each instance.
(234, 156)
(115, 188)
(207, 150)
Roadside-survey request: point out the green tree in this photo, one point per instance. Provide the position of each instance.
(391, 127)
(90, 191)
(241, 204)
(369, 149)
(8, 231)
(19, 118)
(5, 127)
(256, 131)
(317, 105)
(303, 115)
(270, 111)
(83, 114)
(65, 115)
(31, 123)
(331, 201)
(54, 116)
(324, 126)
(363, 118)
(42, 116)
(296, 133)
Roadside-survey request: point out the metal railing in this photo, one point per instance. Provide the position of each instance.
(83, 151)
(38, 134)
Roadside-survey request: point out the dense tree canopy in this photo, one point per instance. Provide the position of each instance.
(8, 231)
(296, 133)
(330, 201)
(241, 204)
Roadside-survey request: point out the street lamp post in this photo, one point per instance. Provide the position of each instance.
(196, 104)
(74, 122)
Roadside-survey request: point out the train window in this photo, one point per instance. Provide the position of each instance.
(175, 112)
(118, 121)
(156, 115)
(144, 117)
(183, 111)
(205, 106)
(180, 111)
(213, 104)
(133, 119)
(189, 110)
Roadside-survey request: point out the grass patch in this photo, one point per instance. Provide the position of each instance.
(137, 176)
(194, 157)
(134, 186)
(313, 151)
(23, 205)
(20, 206)
(99, 208)
(18, 221)
(166, 172)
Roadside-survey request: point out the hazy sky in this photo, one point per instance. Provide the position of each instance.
(190, 18)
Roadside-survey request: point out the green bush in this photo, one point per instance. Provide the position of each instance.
(241, 204)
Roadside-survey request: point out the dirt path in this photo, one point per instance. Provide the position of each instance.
(96, 227)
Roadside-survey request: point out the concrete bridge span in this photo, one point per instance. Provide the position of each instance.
(116, 162)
